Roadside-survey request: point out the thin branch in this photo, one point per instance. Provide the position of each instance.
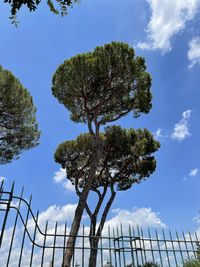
(116, 118)
(98, 206)
(105, 212)
(88, 210)
(76, 188)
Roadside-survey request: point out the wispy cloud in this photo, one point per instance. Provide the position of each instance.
(194, 172)
(194, 52)
(69, 186)
(158, 133)
(167, 19)
(197, 218)
(59, 176)
(181, 130)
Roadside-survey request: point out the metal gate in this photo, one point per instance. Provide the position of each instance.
(24, 242)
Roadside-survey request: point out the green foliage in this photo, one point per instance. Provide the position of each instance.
(18, 127)
(32, 5)
(125, 159)
(149, 264)
(103, 85)
(198, 251)
(194, 262)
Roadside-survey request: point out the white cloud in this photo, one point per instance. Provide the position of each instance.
(194, 172)
(59, 176)
(194, 51)
(181, 130)
(158, 133)
(143, 217)
(69, 186)
(167, 19)
(58, 213)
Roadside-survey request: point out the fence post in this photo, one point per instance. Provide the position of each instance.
(7, 211)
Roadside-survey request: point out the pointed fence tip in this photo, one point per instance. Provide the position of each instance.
(12, 187)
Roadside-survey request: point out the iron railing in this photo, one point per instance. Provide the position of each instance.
(25, 242)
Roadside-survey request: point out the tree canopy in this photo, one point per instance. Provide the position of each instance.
(57, 7)
(18, 126)
(125, 159)
(103, 85)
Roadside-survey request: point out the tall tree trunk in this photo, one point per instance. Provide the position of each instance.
(82, 199)
(96, 238)
(77, 217)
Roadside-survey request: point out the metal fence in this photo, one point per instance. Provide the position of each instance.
(25, 242)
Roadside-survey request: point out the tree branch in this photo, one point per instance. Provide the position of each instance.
(105, 212)
(98, 206)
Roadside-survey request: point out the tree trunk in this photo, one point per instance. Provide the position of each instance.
(77, 218)
(81, 204)
(93, 252)
(94, 249)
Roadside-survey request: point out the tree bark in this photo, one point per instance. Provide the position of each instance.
(77, 218)
(82, 199)
(96, 237)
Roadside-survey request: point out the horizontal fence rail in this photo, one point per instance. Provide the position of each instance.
(25, 242)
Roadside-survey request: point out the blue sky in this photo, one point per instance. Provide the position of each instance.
(168, 36)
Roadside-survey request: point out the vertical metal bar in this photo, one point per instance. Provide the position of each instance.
(131, 245)
(101, 247)
(196, 237)
(115, 247)
(144, 248)
(138, 231)
(44, 243)
(186, 245)
(34, 236)
(149, 233)
(197, 242)
(119, 248)
(6, 214)
(136, 249)
(1, 187)
(54, 244)
(170, 234)
(123, 248)
(25, 229)
(192, 245)
(180, 247)
(157, 239)
(14, 229)
(110, 255)
(166, 249)
(83, 246)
